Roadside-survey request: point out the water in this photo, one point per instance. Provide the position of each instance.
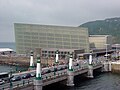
(6, 68)
(8, 45)
(106, 81)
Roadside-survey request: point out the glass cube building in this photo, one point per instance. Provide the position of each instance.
(32, 36)
(100, 41)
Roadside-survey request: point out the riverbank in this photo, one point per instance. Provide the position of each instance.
(115, 67)
(24, 61)
(14, 60)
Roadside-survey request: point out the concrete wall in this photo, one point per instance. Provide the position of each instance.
(115, 68)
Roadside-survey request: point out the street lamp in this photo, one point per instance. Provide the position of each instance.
(10, 76)
(116, 50)
(90, 58)
(57, 56)
(16, 67)
(67, 59)
(106, 55)
(46, 63)
(47, 59)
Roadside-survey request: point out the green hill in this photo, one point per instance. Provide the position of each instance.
(109, 26)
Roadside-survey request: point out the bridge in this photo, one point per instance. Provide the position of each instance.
(57, 73)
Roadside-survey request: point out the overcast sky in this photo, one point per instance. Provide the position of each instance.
(53, 12)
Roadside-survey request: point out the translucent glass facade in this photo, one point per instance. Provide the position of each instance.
(100, 41)
(31, 36)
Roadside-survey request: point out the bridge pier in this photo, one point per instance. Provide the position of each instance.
(38, 84)
(70, 73)
(90, 67)
(70, 78)
(38, 80)
(106, 66)
(90, 71)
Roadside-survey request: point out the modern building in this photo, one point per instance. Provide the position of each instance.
(116, 46)
(100, 41)
(33, 36)
(50, 52)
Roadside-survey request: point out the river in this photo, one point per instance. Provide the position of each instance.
(103, 81)
(7, 68)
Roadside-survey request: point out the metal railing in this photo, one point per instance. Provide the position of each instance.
(16, 84)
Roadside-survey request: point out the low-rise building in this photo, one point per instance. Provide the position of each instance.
(100, 41)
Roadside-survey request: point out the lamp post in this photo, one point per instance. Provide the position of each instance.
(106, 50)
(70, 65)
(16, 67)
(47, 62)
(47, 59)
(57, 56)
(38, 68)
(56, 62)
(90, 57)
(10, 76)
(31, 60)
(67, 59)
(116, 50)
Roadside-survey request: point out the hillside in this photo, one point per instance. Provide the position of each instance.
(109, 26)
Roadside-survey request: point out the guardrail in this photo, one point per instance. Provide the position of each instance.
(16, 84)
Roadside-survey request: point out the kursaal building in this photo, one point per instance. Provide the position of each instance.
(32, 36)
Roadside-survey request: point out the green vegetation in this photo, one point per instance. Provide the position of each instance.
(109, 26)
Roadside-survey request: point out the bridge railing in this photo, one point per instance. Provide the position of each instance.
(53, 75)
(16, 84)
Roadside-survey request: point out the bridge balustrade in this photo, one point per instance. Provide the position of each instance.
(16, 84)
(53, 75)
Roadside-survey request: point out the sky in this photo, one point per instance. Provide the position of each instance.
(53, 12)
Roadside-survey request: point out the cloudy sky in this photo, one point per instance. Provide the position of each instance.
(53, 12)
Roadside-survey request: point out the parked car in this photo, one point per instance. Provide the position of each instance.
(16, 78)
(45, 71)
(25, 76)
(2, 81)
(33, 74)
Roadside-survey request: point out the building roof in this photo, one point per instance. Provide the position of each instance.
(116, 45)
(49, 26)
(5, 49)
(99, 35)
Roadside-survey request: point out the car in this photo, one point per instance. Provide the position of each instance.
(25, 76)
(45, 71)
(55, 69)
(33, 74)
(16, 78)
(2, 81)
(59, 68)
